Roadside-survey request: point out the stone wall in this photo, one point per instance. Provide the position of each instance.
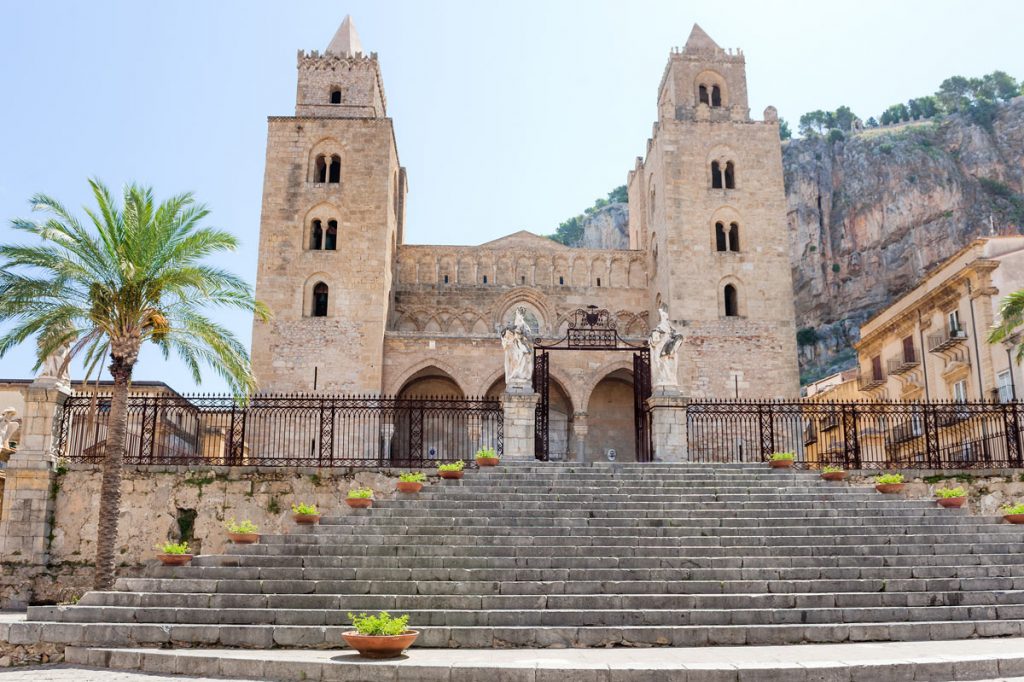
(157, 501)
(986, 491)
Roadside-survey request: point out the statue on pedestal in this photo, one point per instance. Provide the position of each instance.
(55, 370)
(664, 344)
(517, 341)
(8, 427)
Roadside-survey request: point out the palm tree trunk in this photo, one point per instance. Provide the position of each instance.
(110, 490)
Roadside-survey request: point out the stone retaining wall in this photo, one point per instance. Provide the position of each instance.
(158, 504)
(987, 490)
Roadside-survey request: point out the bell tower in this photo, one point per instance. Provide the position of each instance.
(333, 205)
(708, 205)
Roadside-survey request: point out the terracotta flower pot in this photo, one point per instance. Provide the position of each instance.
(244, 538)
(1014, 518)
(487, 461)
(381, 646)
(306, 519)
(834, 476)
(451, 474)
(951, 501)
(409, 486)
(174, 559)
(780, 463)
(359, 502)
(889, 488)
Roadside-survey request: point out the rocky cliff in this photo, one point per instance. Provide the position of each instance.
(869, 214)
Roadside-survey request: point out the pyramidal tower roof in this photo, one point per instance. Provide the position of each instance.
(699, 41)
(345, 42)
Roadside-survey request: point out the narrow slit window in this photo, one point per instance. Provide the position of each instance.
(320, 292)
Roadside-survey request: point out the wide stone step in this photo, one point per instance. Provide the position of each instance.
(521, 587)
(454, 617)
(713, 508)
(326, 636)
(346, 603)
(950, 561)
(977, 659)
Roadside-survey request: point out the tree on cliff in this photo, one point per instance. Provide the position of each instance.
(132, 274)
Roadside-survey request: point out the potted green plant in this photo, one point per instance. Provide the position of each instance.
(782, 460)
(174, 553)
(305, 514)
(951, 497)
(360, 498)
(487, 457)
(411, 482)
(1013, 513)
(889, 483)
(244, 533)
(833, 473)
(451, 470)
(380, 636)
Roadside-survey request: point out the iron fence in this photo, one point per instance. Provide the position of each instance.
(869, 435)
(285, 430)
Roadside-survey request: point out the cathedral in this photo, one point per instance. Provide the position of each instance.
(358, 309)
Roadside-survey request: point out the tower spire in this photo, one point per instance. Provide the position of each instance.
(345, 42)
(699, 41)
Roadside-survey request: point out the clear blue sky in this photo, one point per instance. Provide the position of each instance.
(508, 115)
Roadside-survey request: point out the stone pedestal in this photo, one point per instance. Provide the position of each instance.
(520, 408)
(27, 504)
(668, 426)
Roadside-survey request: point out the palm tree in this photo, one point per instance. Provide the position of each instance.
(1011, 319)
(134, 275)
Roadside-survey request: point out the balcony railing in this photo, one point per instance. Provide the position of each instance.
(898, 366)
(871, 381)
(946, 339)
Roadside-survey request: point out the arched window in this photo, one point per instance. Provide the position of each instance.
(331, 238)
(335, 96)
(716, 175)
(335, 173)
(716, 96)
(703, 94)
(320, 300)
(734, 237)
(730, 175)
(320, 169)
(721, 241)
(316, 236)
(729, 295)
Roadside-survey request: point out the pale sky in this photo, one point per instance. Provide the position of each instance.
(508, 115)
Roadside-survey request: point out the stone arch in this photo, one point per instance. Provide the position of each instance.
(325, 212)
(638, 326)
(326, 150)
(446, 268)
(522, 295)
(623, 364)
(609, 411)
(308, 289)
(722, 168)
(560, 271)
(637, 271)
(543, 271)
(432, 367)
(466, 270)
(580, 272)
(426, 270)
(618, 275)
(599, 271)
(405, 322)
(710, 79)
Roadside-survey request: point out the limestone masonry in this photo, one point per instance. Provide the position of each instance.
(357, 309)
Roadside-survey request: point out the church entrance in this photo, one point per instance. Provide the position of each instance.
(591, 329)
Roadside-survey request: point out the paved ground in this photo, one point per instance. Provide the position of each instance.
(73, 673)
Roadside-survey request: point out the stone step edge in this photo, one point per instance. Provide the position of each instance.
(841, 663)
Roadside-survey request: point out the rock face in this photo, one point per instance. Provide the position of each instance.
(871, 213)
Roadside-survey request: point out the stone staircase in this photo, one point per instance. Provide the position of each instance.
(561, 555)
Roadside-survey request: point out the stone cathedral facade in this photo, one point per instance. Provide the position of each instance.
(357, 309)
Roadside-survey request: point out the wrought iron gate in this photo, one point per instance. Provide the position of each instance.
(592, 329)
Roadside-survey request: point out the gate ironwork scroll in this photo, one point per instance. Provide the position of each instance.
(592, 329)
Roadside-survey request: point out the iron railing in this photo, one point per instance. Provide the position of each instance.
(863, 435)
(285, 430)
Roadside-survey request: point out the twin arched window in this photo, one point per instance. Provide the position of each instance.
(320, 293)
(712, 97)
(727, 238)
(723, 178)
(323, 240)
(327, 169)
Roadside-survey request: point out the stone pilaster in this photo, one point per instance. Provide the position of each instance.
(579, 430)
(668, 426)
(27, 505)
(520, 409)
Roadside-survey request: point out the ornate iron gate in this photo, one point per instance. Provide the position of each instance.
(592, 329)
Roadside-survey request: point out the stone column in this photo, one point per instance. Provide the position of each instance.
(27, 506)
(520, 408)
(668, 426)
(579, 430)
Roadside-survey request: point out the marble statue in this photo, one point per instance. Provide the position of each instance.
(56, 367)
(8, 427)
(664, 343)
(517, 342)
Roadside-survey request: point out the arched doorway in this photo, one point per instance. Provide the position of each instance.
(421, 422)
(610, 418)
